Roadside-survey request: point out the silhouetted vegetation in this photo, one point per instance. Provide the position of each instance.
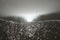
(49, 16)
(13, 18)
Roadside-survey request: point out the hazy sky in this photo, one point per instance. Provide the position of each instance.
(23, 7)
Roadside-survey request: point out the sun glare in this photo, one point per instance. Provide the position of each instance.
(29, 17)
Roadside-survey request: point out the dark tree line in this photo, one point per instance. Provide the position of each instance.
(13, 18)
(49, 16)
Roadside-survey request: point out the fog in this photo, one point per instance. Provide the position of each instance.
(19, 7)
(28, 9)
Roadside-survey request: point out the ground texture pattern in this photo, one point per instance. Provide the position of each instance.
(48, 30)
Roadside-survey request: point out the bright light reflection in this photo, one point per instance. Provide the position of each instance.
(29, 17)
